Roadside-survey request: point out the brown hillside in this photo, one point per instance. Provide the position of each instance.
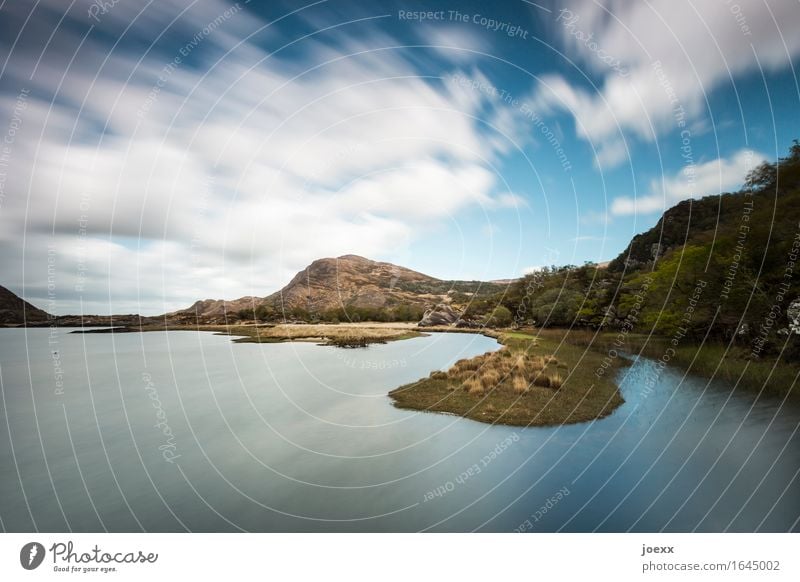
(353, 281)
(347, 282)
(214, 309)
(14, 309)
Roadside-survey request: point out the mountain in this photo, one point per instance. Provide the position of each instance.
(349, 287)
(723, 267)
(14, 309)
(350, 280)
(686, 222)
(762, 217)
(357, 289)
(353, 281)
(213, 310)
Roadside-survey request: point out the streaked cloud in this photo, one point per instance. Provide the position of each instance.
(202, 163)
(673, 54)
(695, 181)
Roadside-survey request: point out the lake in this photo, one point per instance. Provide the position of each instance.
(185, 431)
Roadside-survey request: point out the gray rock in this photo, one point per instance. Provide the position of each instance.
(439, 315)
(793, 315)
(609, 317)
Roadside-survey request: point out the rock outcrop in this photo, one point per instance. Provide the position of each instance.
(440, 315)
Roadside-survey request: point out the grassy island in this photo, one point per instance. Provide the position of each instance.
(339, 335)
(531, 381)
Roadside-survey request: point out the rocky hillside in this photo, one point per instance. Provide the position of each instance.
(767, 201)
(348, 280)
(214, 310)
(345, 288)
(686, 221)
(353, 281)
(719, 268)
(15, 310)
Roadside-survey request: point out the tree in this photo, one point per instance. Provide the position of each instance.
(763, 177)
(246, 314)
(500, 317)
(265, 313)
(556, 307)
(783, 174)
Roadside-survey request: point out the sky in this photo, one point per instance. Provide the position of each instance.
(156, 153)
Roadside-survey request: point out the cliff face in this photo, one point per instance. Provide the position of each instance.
(14, 309)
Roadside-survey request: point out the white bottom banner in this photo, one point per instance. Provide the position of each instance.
(355, 557)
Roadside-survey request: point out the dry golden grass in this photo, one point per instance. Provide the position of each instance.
(298, 331)
(505, 370)
(345, 335)
(506, 367)
(459, 375)
(472, 364)
(523, 383)
(519, 385)
(536, 363)
(473, 386)
(490, 378)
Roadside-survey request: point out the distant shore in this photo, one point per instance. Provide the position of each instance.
(340, 334)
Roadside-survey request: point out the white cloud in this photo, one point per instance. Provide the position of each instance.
(225, 178)
(714, 177)
(673, 53)
(426, 189)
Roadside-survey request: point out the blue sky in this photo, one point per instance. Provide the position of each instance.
(168, 151)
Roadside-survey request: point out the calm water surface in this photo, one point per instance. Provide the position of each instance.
(180, 431)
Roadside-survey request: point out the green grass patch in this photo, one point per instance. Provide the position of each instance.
(713, 360)
(529, 382)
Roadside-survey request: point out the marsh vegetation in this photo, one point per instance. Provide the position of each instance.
(529, 382)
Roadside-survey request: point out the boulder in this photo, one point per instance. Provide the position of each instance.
(439, 315)
(793, 315)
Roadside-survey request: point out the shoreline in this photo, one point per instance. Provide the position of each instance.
(760, 377)
(347, 335)
(708, 360)
(338, 335)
